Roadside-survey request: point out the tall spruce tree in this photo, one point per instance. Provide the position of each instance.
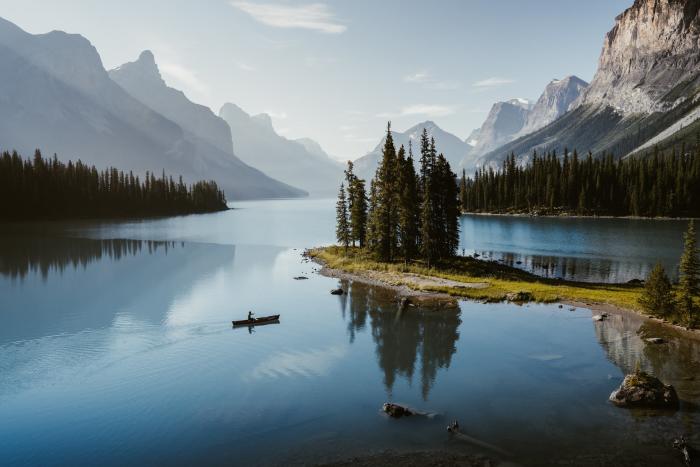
(385, 212)
(408, 205)
(342, 226)
(657, 298)
(357, 206)
(689, 285)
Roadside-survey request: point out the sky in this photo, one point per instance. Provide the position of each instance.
(337, 70)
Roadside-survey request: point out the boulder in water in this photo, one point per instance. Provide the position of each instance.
(396, 410)
(640, 389)
(337, 291)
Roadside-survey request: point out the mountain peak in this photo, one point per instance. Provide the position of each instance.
(147, 58)
(143, 68)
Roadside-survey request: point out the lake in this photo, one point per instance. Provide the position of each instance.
(116, 347)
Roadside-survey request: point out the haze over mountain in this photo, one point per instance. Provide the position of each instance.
(301, 163)
(647, 81)
(453, 148)
(56, 95)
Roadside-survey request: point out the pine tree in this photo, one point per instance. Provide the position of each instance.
(408, 205)
(357, 206)
(657, 299)
(342, 228)
(463, 191)
(689, 286)
(385, 212)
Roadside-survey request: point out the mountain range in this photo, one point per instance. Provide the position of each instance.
(644, 90)
(505, 122)
(302, 163)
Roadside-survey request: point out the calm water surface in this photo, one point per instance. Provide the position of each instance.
(116, 347)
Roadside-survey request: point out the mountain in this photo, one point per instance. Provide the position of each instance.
(554, 102)
(515, 118)
(504, 121)
(143, 81)
(647, 81)
(300, 163)
(446, 143)
(56, 95)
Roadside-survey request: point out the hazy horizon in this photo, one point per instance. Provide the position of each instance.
(327, 70)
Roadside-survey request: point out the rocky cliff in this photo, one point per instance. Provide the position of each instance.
(649, 57)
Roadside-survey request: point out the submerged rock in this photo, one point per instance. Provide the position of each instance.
(337, 291)
(643, 390)
(396, 410)
(300, 278)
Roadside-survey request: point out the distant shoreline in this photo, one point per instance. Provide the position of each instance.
(574, 216)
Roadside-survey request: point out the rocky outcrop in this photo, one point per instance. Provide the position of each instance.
(504, 121)
(647, 81)
(554, 102)
(643, 390)
(649, 57)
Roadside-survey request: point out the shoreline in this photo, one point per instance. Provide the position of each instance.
(407, 292)
(575, 216)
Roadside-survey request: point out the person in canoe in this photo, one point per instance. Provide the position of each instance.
(251, 316)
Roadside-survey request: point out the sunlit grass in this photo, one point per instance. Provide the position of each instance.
(499, 280)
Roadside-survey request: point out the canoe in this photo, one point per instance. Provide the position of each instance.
(258, 321)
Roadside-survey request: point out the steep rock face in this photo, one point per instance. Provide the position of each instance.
(143, 81)
(256, 143)
(647, 82)
(652, 48)
(553, 103)
(453, 148)
(504, 121)
(56, 95)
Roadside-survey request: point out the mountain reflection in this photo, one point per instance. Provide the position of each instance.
(675, 362)
(402, 338)
(21, 255)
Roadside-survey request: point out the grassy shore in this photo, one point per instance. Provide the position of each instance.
(478, 280)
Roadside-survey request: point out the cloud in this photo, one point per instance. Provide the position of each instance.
(185, 76)
(492, 82)
(313, 16)
(420, 109)
(418, 77)
(427, 80)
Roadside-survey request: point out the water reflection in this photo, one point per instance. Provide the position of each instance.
(21, 255)
(676, 361)
(571, 268)
(404, 339)
(587, 249)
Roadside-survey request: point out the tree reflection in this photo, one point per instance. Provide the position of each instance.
(403, 336)
(676, 362)
(21, 255)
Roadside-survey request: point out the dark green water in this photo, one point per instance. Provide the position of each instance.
(116, 349)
